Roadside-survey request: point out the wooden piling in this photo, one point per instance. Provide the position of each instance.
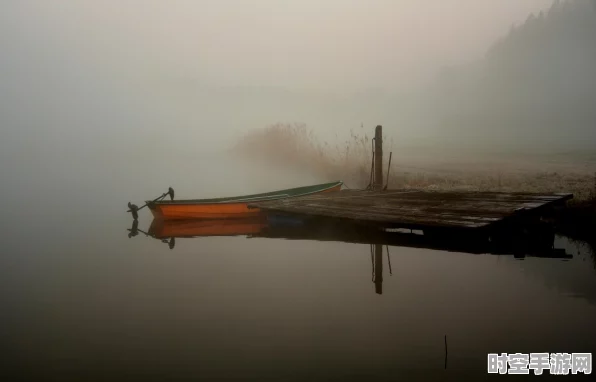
(378, 158)
(378, 268)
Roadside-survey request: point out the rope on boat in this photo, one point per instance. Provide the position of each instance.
(134, 209)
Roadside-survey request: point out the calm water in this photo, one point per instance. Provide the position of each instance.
(83, 301)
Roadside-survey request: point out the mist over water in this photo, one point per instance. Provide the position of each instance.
(102, 103)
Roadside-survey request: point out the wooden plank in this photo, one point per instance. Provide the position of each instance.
(416, 208)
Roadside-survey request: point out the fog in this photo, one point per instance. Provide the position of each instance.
(333, 45)
(103, 102)
(137, 95)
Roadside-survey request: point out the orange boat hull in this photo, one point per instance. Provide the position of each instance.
(204, 211)
(231, 210)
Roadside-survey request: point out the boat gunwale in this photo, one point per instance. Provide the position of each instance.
(273, 195)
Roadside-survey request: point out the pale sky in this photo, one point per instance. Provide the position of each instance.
(88, 78)
(327, 44)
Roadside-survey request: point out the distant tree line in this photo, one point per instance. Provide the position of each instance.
(539, 80)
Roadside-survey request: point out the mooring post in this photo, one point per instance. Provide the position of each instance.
(378, 158)
(378, 268)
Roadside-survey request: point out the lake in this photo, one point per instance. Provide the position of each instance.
(81, 300)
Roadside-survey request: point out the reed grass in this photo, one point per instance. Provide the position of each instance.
(296, 146)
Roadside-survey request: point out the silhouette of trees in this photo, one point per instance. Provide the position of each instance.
(538, 79)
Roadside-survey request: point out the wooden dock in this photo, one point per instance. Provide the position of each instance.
(422, 210)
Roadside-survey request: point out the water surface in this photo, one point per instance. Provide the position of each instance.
(83, 301)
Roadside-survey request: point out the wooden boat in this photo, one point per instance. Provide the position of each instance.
(232, 207)
(163, 229)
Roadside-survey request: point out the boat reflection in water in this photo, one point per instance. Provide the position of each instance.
(278, 227)
(168, 230)
(162, 229)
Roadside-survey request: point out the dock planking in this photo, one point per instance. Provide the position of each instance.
(417, 209)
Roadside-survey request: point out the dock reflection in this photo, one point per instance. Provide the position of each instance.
(378, 268)
(379, 240)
